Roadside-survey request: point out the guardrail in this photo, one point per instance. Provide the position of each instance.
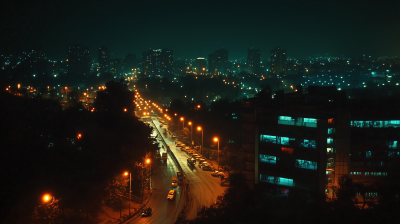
(185, 206)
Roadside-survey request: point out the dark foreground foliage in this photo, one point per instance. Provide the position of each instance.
(42, 152)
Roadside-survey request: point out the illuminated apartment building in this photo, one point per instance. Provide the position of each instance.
(78, 60)
(158, 61)
(218, 62)
(278, 62)
(254, 61)
(297, 140)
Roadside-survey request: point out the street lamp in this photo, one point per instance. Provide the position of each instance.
(47, 198)
(191, 134)
(148, 162)
(217, 140)
(201, 129)
(183, 123)
(130, 190)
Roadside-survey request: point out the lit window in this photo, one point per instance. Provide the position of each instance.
(268, 159)
(287, 150)
(305, 164)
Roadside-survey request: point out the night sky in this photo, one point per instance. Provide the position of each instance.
(196, 28)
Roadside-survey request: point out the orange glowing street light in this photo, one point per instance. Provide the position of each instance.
(125, 110)
(176, 114)
(191, 134)
(130, 189)
(217, 140)
(198, 106)
(201, 129)
(183, 122)
(79, 136)
(46, 198)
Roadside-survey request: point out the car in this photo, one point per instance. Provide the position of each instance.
(161, 125)
(201, 164)
(173, 135)
(171, 195)
(217, 173)
(147, 212)
(207, 168)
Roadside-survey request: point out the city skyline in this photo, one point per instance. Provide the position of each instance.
(197, 28)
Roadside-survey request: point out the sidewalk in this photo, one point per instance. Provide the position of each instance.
(108, 215)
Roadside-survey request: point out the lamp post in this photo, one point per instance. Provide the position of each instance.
(148, 162)
(191, 134)
(183, 123)
(217, 140)
(199, 128)
(130, 190)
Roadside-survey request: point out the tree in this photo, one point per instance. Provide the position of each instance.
(114, 192)
(47, 213)
(346, 191)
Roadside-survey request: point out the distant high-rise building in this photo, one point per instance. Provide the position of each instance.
(78, 60)
(116, 66)
(254, 61)
(129, 62)
(158, 61)
(278, 61)
(104, 59)
(201, 66)
(218, 62)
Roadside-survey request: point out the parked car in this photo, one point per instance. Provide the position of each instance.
(217, 173)
(208, 168)
(201, 164)
(171, 195)
(161, 125)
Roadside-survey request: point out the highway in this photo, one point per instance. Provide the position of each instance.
(163, 209)
(203, 187)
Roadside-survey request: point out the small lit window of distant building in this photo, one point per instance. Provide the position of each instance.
(392, 144)
(287, 150)
(329, 150)
(305, 164)
(330, 121)
(329, 141)
(267, 159)
(366, 174)
(308, 143)
(331, 131)
(368, 154)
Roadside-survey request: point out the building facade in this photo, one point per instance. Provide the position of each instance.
(158, 62)
(78, 60)
(278, 62)
(297, 141)
(254, 61)
(218, 62)
(201, 66)
(104, 59)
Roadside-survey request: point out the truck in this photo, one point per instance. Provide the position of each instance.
(174, 182)
(179, 175)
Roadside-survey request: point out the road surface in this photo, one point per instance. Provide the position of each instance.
(203, 187)
(163, 209)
